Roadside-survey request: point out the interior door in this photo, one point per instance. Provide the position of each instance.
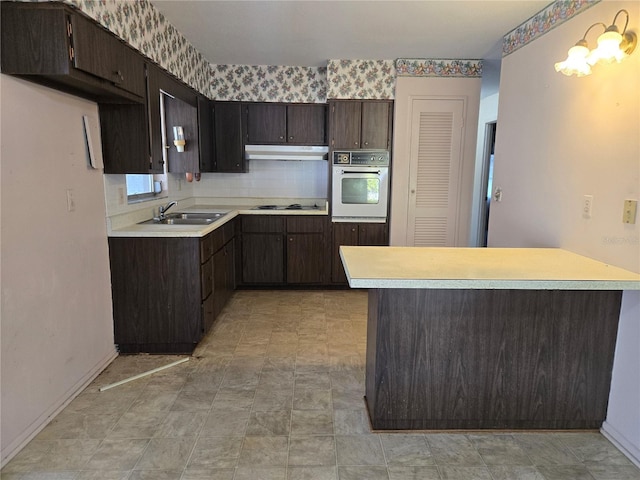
(435, 171)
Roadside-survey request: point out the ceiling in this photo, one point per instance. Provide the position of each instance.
(308, 33)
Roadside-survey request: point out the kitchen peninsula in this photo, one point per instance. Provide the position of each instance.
(476, 338)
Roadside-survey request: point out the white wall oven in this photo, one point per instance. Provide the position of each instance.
(360, 186)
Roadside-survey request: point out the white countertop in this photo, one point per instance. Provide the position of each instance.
(231, 211)
(481, 268)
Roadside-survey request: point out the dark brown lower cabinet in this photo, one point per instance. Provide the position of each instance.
(167, 291)
(223, 276)
(307, 250)
(354, 234)
(262, 258)
(489, 359)
(156, 288)
(284, 250)
(305, 262)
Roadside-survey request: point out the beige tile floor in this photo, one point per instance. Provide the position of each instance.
(275, 392)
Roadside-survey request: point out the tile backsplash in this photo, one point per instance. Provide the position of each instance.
(268, 179)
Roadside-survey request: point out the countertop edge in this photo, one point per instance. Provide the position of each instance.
(185, 231)
(387, 278)
(492, 284)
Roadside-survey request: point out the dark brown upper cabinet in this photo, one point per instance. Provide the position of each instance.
(181, 108)
(227, 138)
(294, 124)
(55, 45)
(356, 124)
(205, 135)
(132, 133)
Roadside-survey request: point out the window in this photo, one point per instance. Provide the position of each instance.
(139, 184)
(143, 187)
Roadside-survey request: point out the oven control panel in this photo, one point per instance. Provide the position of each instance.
(362, 157)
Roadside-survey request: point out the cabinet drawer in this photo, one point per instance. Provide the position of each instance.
(206, 247)
(262, 224)
(206, 278)
(218, 239)
(229, 231)
(314, 224)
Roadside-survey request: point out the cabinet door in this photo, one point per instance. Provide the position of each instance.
(343, 234)
(376, 118)
(266, 123)
(262, 258)
(34, 40)
(228, 137)
(99, 53)
(205, 135)
(219, 281)
(154, 125)
(305, 258)
(306, 124)
(179, 113)
(345, 124)
(224, 276)
(124, 136)
(157, 304)
(373, 234)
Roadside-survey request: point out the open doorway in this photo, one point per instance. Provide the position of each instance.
(487, 180)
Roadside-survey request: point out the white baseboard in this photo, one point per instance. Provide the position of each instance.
(631, 451)
(12, 449)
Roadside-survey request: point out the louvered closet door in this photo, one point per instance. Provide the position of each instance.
(435, 173)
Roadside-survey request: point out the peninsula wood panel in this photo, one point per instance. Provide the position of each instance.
(467, 359)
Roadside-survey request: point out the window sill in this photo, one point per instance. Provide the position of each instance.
(145, 197)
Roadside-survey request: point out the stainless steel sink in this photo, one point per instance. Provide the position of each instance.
(184, 218)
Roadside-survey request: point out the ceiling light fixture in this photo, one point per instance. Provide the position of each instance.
(612, 45)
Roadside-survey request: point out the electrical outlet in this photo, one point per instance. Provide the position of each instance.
(629, 211)
(587, 206)
(71, 203)
(121, 197)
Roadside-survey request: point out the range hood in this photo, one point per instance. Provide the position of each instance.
(285, 152)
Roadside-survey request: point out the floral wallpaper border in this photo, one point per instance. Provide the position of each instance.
(411, 67)
(555, 14)
(361, 79)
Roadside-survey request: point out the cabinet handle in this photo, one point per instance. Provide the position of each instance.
(291, 137)
(353, 229)
(366, 143)
(355, 143)
(291, 239)
(119, 75)
(281, 137)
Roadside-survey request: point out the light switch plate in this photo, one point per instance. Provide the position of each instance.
(629, 211)
(587, 206)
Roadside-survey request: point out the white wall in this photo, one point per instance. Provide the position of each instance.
(560, 138)
(408, 89)
(57, 326)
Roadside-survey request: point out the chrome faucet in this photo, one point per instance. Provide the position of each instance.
(163, 209)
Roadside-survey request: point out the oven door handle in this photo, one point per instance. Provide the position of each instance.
(353, 172)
